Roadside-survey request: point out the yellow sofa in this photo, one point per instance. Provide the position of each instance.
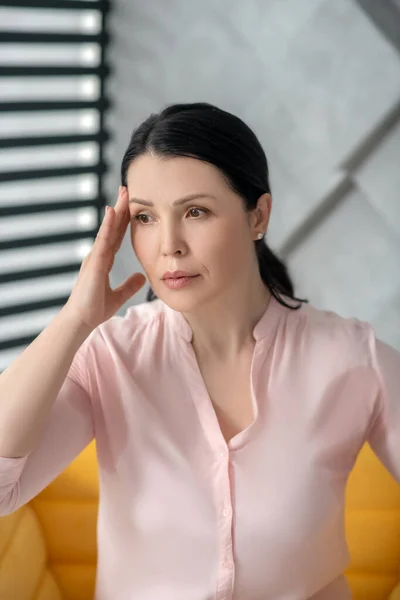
(48, 547)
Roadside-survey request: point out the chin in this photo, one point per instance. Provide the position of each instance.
(184, 300)
(183, 305)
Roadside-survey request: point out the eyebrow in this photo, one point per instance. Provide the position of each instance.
(176, 202)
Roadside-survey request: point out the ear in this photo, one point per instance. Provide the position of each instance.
(261, 214)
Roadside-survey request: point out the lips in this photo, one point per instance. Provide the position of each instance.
(176, 283)
(179, 275)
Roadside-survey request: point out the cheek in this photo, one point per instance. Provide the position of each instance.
(144, 251)
(225, 250)
(209, 242)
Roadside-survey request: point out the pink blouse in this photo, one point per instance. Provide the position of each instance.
(182, 514)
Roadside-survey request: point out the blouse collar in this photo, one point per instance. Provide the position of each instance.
(263, 328)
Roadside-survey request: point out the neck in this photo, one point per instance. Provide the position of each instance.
(224, 330)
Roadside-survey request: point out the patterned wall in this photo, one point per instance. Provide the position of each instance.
(319, 82)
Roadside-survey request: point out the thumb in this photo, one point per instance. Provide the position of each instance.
(128, 288)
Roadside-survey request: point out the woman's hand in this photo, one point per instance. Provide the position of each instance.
(92, 301)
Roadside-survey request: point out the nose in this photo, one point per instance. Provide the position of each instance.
(171, 240)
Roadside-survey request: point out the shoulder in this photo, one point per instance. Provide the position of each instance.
(139, 321)
(137, 334)
(141, 324)
(329, 336)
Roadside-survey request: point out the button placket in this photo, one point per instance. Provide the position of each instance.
(227, 566)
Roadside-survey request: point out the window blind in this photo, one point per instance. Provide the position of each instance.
(53, 73)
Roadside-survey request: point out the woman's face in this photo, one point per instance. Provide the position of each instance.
(209, 235)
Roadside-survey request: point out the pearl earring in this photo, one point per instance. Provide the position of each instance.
(260, 236)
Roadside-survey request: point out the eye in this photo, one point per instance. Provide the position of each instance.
(139, 216)
(198, 209)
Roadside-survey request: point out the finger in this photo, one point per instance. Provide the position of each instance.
(117, 203)
(117, 207)
(120, 194)
(123, 219)
(102, 241)
(106, 224)
(115, 210)
(128, 288)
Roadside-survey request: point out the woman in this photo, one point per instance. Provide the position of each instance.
(227, 413)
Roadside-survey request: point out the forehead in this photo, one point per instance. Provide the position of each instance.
(152, 177)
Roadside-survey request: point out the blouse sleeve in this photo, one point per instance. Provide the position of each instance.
(384, 433)
(69, 430)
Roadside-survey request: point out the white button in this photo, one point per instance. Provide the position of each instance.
(222, 454)
(226, 512)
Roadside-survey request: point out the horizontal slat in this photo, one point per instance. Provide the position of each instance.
(22, 37)
(52, 71)
(49, 223)
(48, 239)
(19, 125)
(13, 276)
(16, 327)
(21, 341)
(99, 169)
(103, 5)
(49, 157)
(101, 105)
(27, 291)
(28, 209)
(17, 309)
(19, 142)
